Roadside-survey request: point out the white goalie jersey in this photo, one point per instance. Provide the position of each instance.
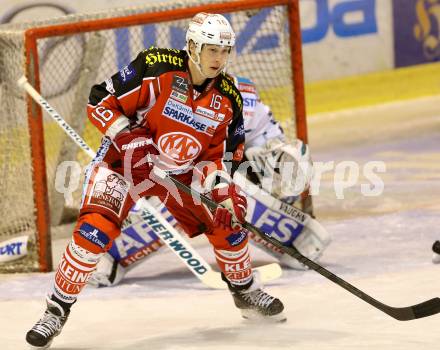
(259, 124)
(283, 168)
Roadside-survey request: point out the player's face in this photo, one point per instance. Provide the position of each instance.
(213, 58)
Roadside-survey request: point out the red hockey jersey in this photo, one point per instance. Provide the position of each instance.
(188, 127)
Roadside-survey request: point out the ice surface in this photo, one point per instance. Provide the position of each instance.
(381, 244)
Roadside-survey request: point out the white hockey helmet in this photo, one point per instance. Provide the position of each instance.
(209, 28)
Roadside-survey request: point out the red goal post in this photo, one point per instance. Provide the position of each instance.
(50, 42)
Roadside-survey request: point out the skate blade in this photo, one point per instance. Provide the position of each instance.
(255, 317)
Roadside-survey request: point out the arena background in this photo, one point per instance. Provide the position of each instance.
(367, 51)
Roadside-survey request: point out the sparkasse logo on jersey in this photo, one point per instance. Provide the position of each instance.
(179, 146)
(184, 114)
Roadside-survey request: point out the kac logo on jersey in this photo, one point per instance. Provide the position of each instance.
(179, 147)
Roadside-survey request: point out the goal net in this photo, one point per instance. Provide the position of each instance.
(62, 58)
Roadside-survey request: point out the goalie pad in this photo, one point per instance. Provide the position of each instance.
(285, 223)
(284, 169)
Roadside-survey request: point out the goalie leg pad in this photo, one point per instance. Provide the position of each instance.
(285, 223)
(311, 242)
(135, 244)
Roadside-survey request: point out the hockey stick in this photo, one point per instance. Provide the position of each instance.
(170, 236)
(424, 309)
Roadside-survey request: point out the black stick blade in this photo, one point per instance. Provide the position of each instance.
(425, 309)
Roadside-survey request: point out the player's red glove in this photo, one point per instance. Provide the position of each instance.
(135, 146)
(233, 203)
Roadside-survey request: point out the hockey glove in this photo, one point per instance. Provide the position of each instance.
(232, 211)
(136, 148)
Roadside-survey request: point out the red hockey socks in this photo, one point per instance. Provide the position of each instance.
(235, 265)
(75, 268)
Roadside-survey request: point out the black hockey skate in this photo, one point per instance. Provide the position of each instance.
(48, 327)
(255, 304)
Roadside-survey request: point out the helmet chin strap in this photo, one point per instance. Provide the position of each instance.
(196, 63)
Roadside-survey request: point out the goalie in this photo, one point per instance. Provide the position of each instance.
(279, 168)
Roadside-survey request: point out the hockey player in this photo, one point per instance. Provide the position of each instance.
(265, 144)
(172, 109)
